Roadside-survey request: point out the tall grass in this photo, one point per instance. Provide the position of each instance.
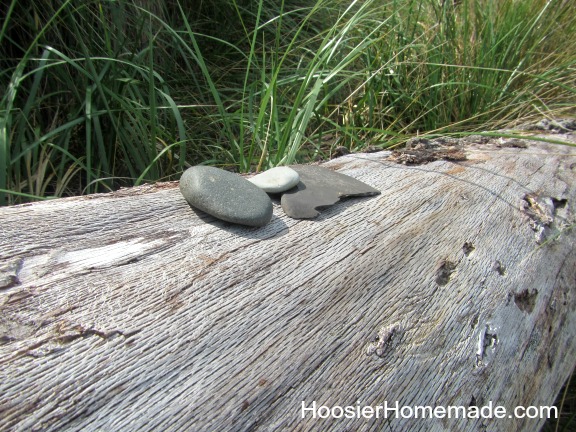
(84, 104)
(100, 94)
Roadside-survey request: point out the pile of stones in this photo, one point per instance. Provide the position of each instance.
(304, 189)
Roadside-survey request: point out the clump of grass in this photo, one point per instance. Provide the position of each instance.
(101, 94)
(84, 103)
(566, 403)
(468, 65)
(380, 73)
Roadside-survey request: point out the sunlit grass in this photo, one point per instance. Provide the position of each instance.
(103, 94)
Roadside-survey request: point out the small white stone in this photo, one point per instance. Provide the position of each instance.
(276, 180)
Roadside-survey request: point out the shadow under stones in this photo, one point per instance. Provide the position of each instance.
(273, 229)
(329, 212)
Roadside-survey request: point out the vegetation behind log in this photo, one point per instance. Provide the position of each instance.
(96, 95)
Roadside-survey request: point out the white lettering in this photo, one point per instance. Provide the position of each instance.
(367, 412)
(350, 412)
(486, 410)
(422, 411)
(407, 412)
(386, 409)
(456, 411)
(473, 412)
(499, 412)
(335, 409)
(546, 410)
(439, 412)
(324, 409)
(313, 409)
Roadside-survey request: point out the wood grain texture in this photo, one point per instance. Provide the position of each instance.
(456, 286)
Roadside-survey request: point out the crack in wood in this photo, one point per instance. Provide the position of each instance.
(386, 340)
(468, 248)
(542, 212)
(525, 299)
(444, 273)
(487, 343)
(64, 339)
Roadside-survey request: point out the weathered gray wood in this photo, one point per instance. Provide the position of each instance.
(130, 311)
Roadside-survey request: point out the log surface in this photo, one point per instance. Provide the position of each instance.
(455, 287)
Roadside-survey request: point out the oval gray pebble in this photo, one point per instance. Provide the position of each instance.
(276, 180)
(226, 196)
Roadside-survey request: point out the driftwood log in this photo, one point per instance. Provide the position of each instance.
(455, 287)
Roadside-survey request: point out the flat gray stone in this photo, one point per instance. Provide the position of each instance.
(226, 196)
(320, 188)
(276, 180)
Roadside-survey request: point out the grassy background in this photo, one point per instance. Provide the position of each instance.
(102, 94)
(566, 403)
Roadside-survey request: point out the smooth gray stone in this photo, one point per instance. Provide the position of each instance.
(320, 188)
(226, 196)
(276, 180)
